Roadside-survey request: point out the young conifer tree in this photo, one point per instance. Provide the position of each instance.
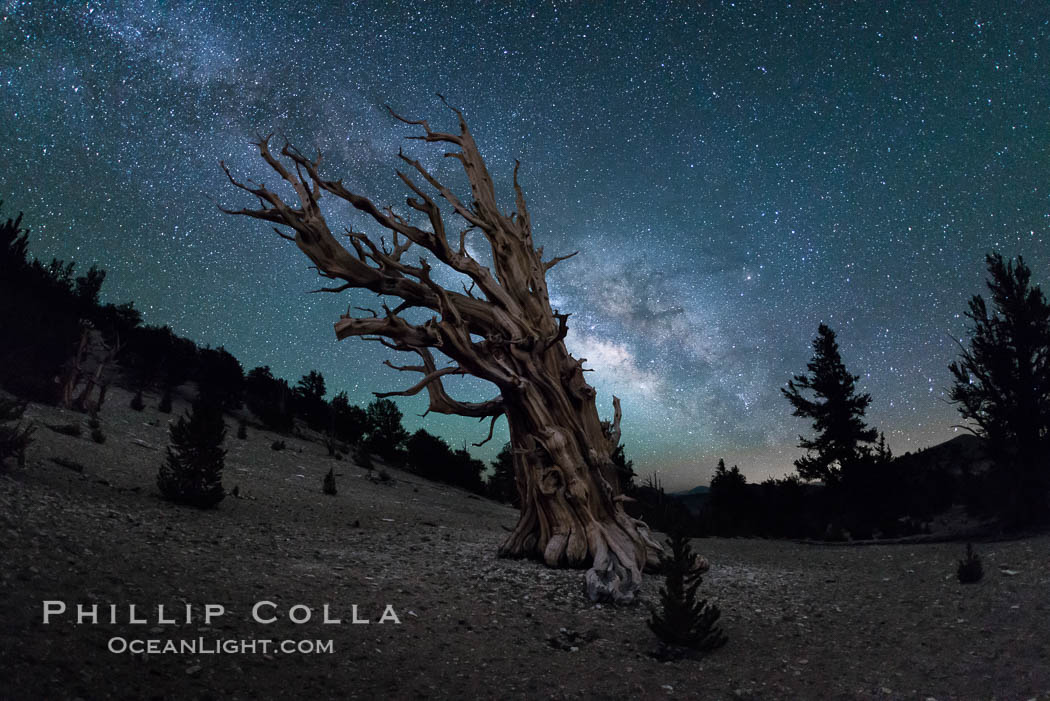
(684, 624)
(192, 474)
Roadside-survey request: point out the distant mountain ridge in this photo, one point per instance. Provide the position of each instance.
(699, 489)
(964, 453)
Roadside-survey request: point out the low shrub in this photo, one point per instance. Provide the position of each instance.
(970, 569)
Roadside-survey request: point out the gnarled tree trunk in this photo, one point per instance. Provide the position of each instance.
(572, 510)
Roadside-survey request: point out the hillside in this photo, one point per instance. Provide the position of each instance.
(694, 499)
(803, 621)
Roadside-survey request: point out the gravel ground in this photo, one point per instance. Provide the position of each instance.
(804, 621)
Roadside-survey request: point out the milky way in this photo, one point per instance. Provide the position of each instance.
(733, 174)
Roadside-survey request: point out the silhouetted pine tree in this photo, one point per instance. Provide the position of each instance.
(1002, 384)
(624, 469)
(329, 483)
(502, 485)
(220, 378)
(270, 399)
(310, 402)
(348, 422)
(192, 473)
(386, 435)
(684, 624)
(136, 401)
(728, 500)
(836, 409)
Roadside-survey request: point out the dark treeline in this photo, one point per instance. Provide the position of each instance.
(63, 346)
(848, 483)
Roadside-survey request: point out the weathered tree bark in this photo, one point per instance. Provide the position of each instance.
(88, 366)
(572, 512)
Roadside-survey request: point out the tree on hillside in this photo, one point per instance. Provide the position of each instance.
(14, 247)
(836, 409)
(192, 473)
(156, 357)
(1002, 385)
(310, 401)
(431, 457)
(386, 435)
(270, 399)
(501, 485)
(220, 378)
(88, 288)
(467, 471)
(39, 316)
(499, 328)
(428, 455)
(349, 421)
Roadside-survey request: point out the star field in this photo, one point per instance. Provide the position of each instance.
(733, 173)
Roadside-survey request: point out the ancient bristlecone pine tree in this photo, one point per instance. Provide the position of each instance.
(501, 329)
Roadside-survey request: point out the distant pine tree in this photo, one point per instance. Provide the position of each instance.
(624, 470)
(192, 473)
(502, 485)
(836, 409)
(728, 501)
(348, 422)
(684, 624)
(309, 399)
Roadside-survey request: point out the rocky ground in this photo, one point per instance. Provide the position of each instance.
(804, 621)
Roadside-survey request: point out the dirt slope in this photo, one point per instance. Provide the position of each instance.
(803, 621)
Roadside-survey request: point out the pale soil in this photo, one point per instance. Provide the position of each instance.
(804, 621)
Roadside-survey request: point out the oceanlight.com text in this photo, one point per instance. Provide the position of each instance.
(212, 646)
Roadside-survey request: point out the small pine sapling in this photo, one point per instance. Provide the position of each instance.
(96, 429)
(684, 625)
(329, 483)
(970, 569)
(192, 473)
(136, 402)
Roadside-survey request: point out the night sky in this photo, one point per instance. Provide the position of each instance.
(733, 173)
